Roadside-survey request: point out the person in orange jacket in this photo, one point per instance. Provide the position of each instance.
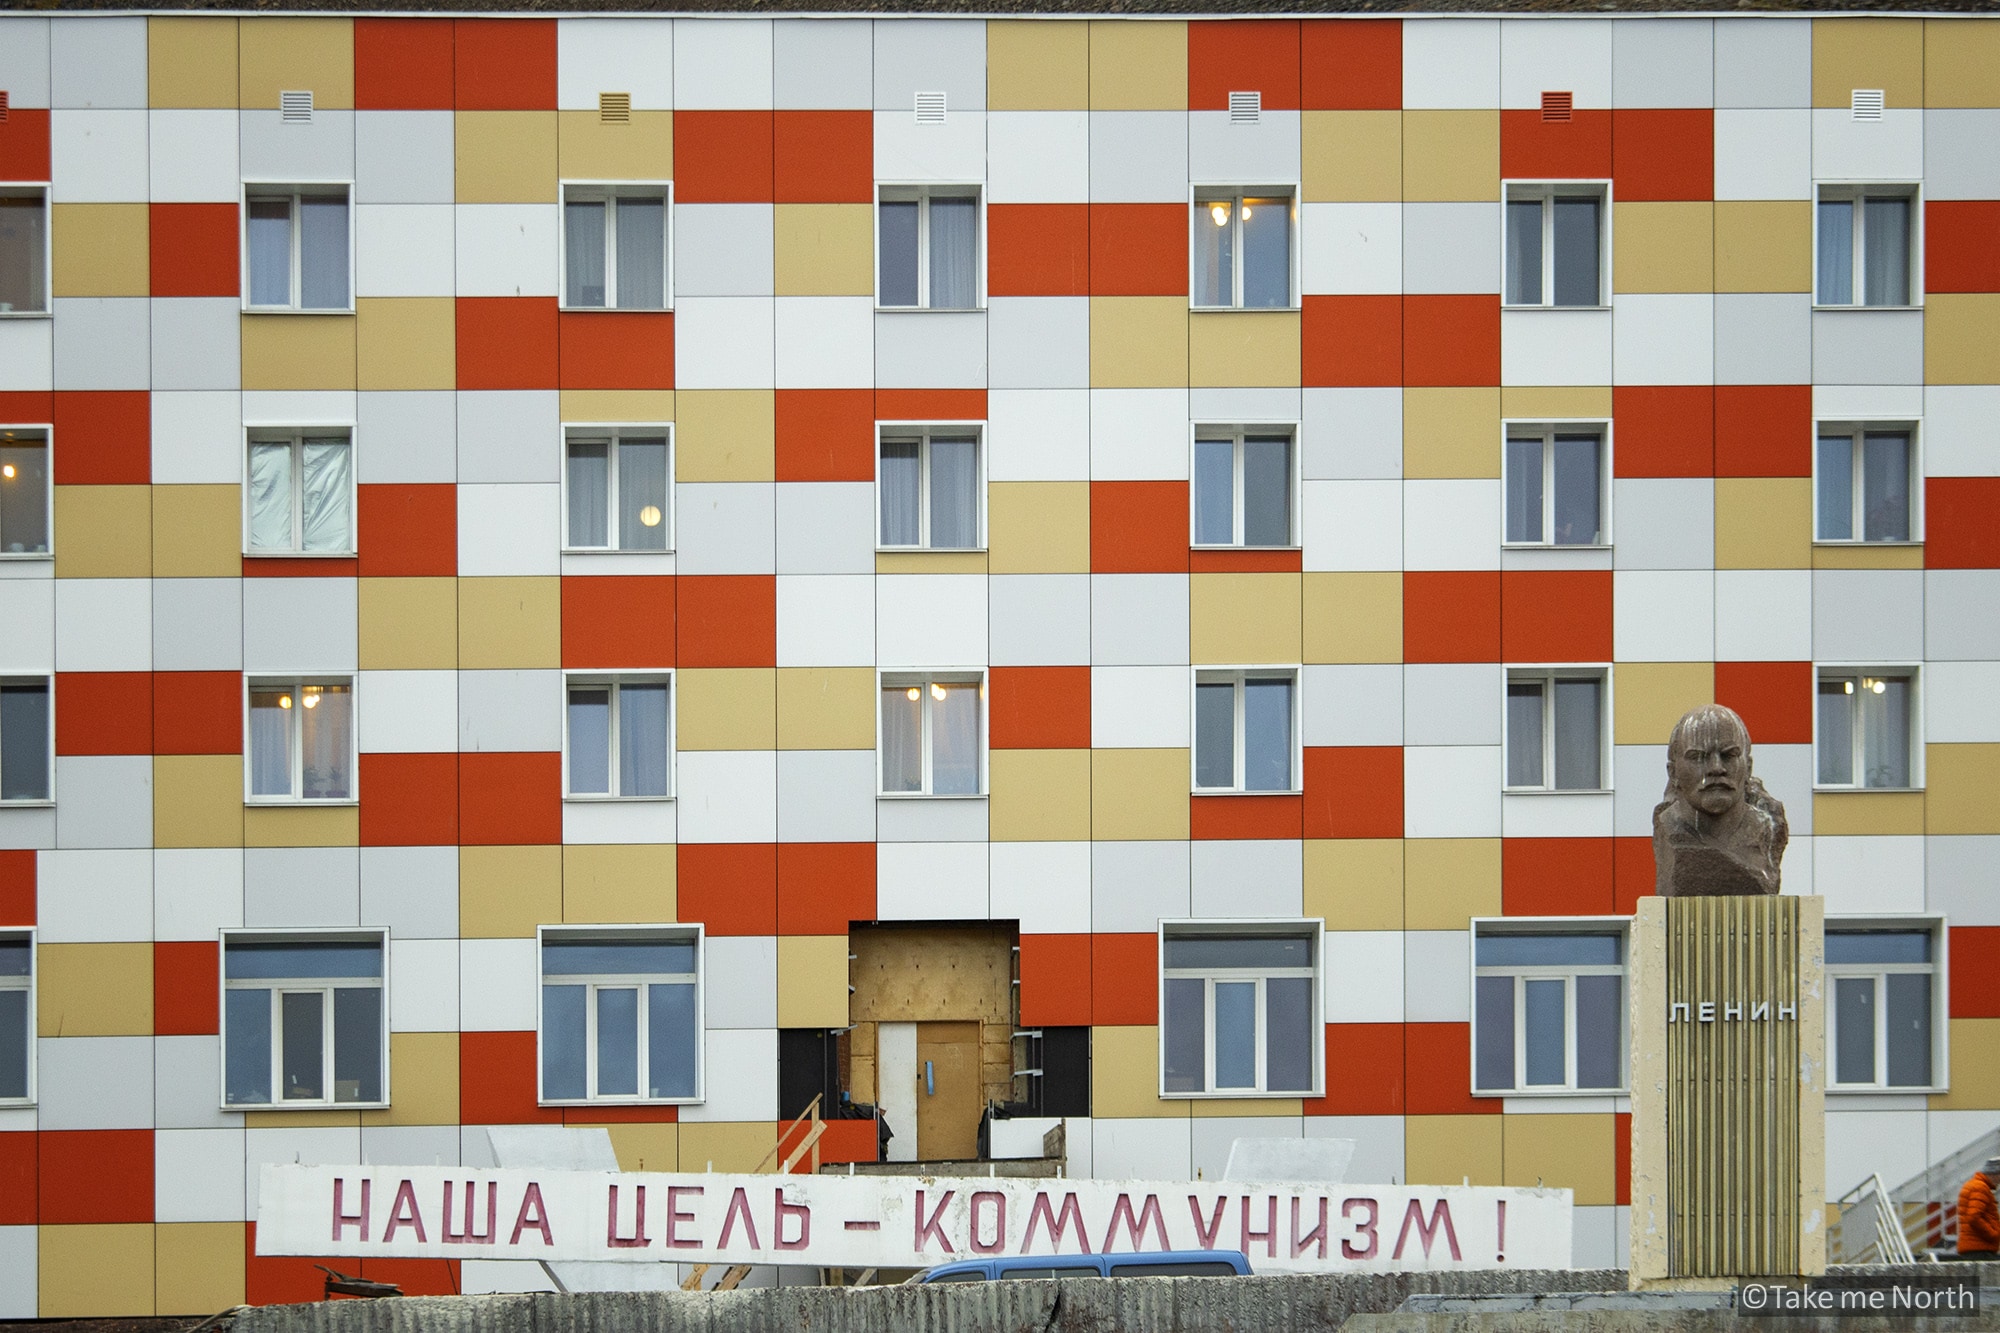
(1978, 1219)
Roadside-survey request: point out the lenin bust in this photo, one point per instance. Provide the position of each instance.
(1718, 832)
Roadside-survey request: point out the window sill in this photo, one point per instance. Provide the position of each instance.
(29, 803)
(1239, 1095)
(1210, 548)
(931, 550)
(931, 309)
(667, 309)
(1555, 546)
(27, 555)
(601, 1102)
(1865, 791)
(613, 550)
(572, 798)
(1548, 1094)
(929, 796)
(1863, 309)
(242, 1107)
(301, 555)
(1556, 791)
(1848, 544)
(1244, 310)
(294, 310)
(1862, 1090)
(288, 803)
(1239, 791)
(27, 314)
(1556, 309)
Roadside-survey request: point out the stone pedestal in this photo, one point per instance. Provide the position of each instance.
(1728, 1019)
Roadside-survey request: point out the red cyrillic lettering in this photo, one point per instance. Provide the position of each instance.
(675, 1216)
(1206, 1229)
(997, 1203)
(401, 1216)
(739, 1202)
(1426, 1231)
(341, 1219)
(927, 1228)
(470, 1235)
(532, 1198)
(803, 1212)
(1058, 1221)
(1347, 1250)
(637, 1240)
(1270, 1233)
(1148, 1211)
(1318, 1233)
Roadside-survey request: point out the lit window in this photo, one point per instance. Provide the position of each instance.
(1864, 478)
(24, 738)
(621, 1015)
(301, 739)
(1555, 486)
(1865, 244)
(1555, 730)
(17, 1015)
(1555, 245)
(617, 483)
(929, 484)
(303, 1023)
(1243, 249)
(301, 493)
(25, 497)
(1866, 727)
(1243, 487)
(24, 250)
(615, 247)
(299, 247)
(1245, 730)
(1884, 1022)
(933, 734)
(927, 247)
(620, 736)
(1548, 1008)
(1239, 1008)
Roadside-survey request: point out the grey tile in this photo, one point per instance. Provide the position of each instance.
(1353, 434)
(198, 624)
(302, 886)
(1961, 614)
(98, 62)
(1763, 338)
(410, 438)
(1663, 523)
(1139, 619)
(321, 149)
(94, 1082)
(915, 55)
(826, 795)
(1451, 248)
(197, 342)
(404, 157)
(1039, 342)
(1958, 154)
(741, 987)
(510, 436)
(299, 625)
(104, 800)
(409, 1145)
(1763, 62)
(411, 890)
(187, 1084)
(725, 528)
(510, 711)
(1229, 879)
(1451, 703)
(723, 249)
(930, 350)
(826, 527)
(823, 64)
(912, 819)
(1663, 62)
(1353, 705)
(1868, 615)
(102, 343)
(1039, 619)
(1138, 157)
(1227, 405)
(1868, 347)
(1136, 885)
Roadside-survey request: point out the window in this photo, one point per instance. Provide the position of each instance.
(1555, 486)
(299, 248)
(17, 1016)
(1866, 727)
(1239, 1008)
(930, 486)
(1555, 730)
(1243, 487)
(24, 250)
(927, 247)
(24, 491)
(1245, 730)
(303, 1020)
(933, 734)
(24, 738)
(1243, 249)
(620, 737)
(1864, 478)
(616, 480)
(1866, 245)
(1555, 245)
(621, 1015)
(301, 493)
(301, 739)
(615, 247)
(1548, 1008)
(1883, 1025)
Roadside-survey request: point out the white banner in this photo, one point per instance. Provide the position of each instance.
(895, 1221)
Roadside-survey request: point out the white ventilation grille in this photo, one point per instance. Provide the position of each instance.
(1245, 108)
(614, 108)
(1867, 104)
(295, 107)
(930, 108)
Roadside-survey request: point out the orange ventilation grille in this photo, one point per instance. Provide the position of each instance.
(1557, 106)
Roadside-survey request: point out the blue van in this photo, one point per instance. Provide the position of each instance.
(1159, 1263)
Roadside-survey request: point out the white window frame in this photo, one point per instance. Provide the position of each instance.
(278, 987)
(668, 931)
(1565, 925)
(595, 191)
(1200, 433)
(294, 190)
(295, 435)
(1939, 969)
(47, 431)
(18, 934)
(1547, 674)
(295, 680)
(922, 678)
(922, 192)
(615, 679)
(922, 431)
(1202, 196)
(1836, 190)
(586, 432)
(1523, 191)
(1546, 429)
(1855, 428)
(1860, 670)
(1313, 928)
(1237, 675)
(49, 742)
(20, 189)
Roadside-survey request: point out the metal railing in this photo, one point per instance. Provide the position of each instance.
(1921, 1214)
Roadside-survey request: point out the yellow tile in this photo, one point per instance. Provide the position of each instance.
(1245, 619)
(104, 532)
(727, 708)
(1138, 342)
(1869, 556)
(1451, 156)
(197, 800)
(588, 148)
(617, 883)
(1451, 433)
(509, 623)
(405, 342)
(1961, 63)
(823, 250)
(1355, 883)
(423, 1080)
(1663, 247)
(1577, 1152)
(725, 435)
(645, 1147)
(199, 1267)
(1868, 53)
(638, 405)
(1037, 65)
(727, 1145)
(197, 532)
(812, 981)
(1138, 66)
(1975, 1066)
(1353, 617)
(1139, 795)
(826, 708)
(1961, 782)
(302, 826)
(1450, 1149)
(1868, 813)
(1038, 527)
(1959, 346)
(293, 54)
(931, 562)
(99, 250)
(1448, 881)
(1256, 348)
(298, 351)
(1351, 156)
(1650, 697)
(1242, 1108)
(1763, 245)
(408, 624)
(1552, 403)
(1125, 1075)
(505, 892)
(94, 990)
(97, 1271)
(506, 157)
(1039, 795)
(1763, 522)
(191, 62)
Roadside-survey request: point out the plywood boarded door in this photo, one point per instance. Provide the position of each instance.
(948, 1091)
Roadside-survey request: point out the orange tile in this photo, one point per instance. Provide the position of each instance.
(1663, 430)
(24, 408)
(185, 987)
(727, 620)
(1039, 708)
(502, 64)
(1775, 699)
(1763, 430)
(1962, 246)
(823, 157)
(823, 887)
(1663, 154)
(103, 712)
(1451, 340)
(417, 1277)
(510, 800)
(1438, 1065)
(1139, 249)
(403, 64)
(96, 1175)
(1352, 341)
(506, 342)
(1975, 961)
(1632, 872)
(18, 1190)
(730, 887)
(1960, 531)
(1556, 876)
(1246, 562)
(103, 438)
(286, 1279)
(1533, 149)
(1038, 249)
(408, 531)
(1243, 55)
(1124, 980)
(409, 800)
(825, 435)
(1451, 616)
(1621, 1156)
(1138, 527)
(722, 157)
(1555, 615)
(194, 250)
(1364, 1070)
(197, 712)
(930, 404)
(1354, 791)
(618, 621)
(17, 900)
(610, 349)
(24, 145)
(1351, 64)
(1235, 818)
(1055, 980)
(496, 1081)
(299, 568)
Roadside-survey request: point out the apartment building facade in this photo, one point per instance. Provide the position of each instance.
(630, 571)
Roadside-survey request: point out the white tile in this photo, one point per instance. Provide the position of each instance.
(741, 985)
(194, 157)
(300, 624)
(620, 822)
(1874, 874)
(506, 530)
(1891, 1144)
(1225, 152)
(197, 439)
(1452, 703)
(406, 250)
(1451, 524)
(1363, 977)
(1136, 885)
(1351, 248)
(1264, 878)
(722, 64)
(197, 891)
(725, 342)
(24, 73)
(1038, 157)
(99, 157)
(407, 712)
(1353, 525)
(826, 620)
(1040, 619)
(28, 609)
(506, 249)
(1139, 619)
(728, 796)
(1043, 885)
(1139, 707)
(1663, 615)
(1663, 62)
(498, 984)
(1555, 346)
(1439, 976)
(1352, 434)
(94, 896)
(825, 342)
(1452, 791)
(1353, 705)
(97, 61)
(1763, 615)
(1889, 149)
(1451, 63)
(423, 985)
(198, 1175)
(1142, 1149)
(1139, 435)
(936, 881)
(739, 1078)
(1038, 435)
(1663, 339)
(1558, 815)
(305, 1146)
(1963, 703)
(27, 355)
(1958, 434)
(1378, 1141)
(951, 153)
(1567, 54)
(104, 625)
(1763, 154)
(602, 54)
(931, 620)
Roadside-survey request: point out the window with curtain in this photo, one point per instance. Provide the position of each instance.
(1245, 730)
(1555, 730)
(297, 242)
(933, 734)
(301, 745)
(621, 1015)
(615, 247)
(301, 493)
(927, 247)
(616, 483)
(1243, 486)
(1885, 1016)
(24, 491)
(1864, 478)
(17, 1015)
(1242, 249)
(24, 250)
(1866, 727)
(1239, 1009)
(929, 486)
(1554, 484)
(1865, 242)
(619, 736)
(303, 1023)
(1554, 249)
(1548, 1007)
(24, 738)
